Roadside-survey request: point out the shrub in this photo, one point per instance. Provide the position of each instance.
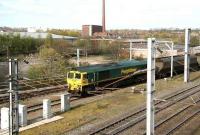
(36, 71)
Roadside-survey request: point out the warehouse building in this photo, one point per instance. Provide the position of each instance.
(139, 49)
(90, 30)
(41, 35)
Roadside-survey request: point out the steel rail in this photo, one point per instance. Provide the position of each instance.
(36, 83)
(173, 115)
(35, 92)
(182, 123)
(143, 116)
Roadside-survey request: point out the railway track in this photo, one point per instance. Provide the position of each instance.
(55, 102)
(32, 88)
(183, 122)
(34, 92)
(186, 109)
(33, 84)
(135, 118)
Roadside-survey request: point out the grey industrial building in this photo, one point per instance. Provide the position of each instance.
(41, 35)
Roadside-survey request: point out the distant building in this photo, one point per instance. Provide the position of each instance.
(41, 35)
(140, 50)
(90, 30)
(31, 29)
(97, 31)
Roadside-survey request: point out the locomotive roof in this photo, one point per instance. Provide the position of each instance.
(109, 66)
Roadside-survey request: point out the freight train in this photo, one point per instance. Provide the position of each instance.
(87, 78)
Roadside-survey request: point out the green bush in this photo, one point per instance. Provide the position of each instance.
(36, 71)
(47, 53)
(15, 44)
(65, 32)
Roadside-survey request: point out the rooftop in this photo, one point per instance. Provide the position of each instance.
(102, 67)
(39, 35)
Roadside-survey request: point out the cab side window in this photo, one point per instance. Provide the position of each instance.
(70, 75)
(78, 76)
(90, 77)
(84, 76)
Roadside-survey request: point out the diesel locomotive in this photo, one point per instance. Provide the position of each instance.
(87, 78)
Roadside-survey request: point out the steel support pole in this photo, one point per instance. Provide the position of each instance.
(131, 46)
(16, 105)
(187, 55)
(78, 57)
(150, 86)
(172, 59)
(13, 95)
(11, 99)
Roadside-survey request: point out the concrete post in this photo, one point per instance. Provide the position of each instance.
(150, 86)
(78, 57)
(90, 30)
(187, 55)
(4, 118)
(22, 115)
(65, 102)
(46, 109)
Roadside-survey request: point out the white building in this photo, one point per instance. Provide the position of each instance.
(31, 29)
(42, 35)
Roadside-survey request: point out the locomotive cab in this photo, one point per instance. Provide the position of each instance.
(76, 80)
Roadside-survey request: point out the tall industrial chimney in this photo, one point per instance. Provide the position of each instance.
(103, 17)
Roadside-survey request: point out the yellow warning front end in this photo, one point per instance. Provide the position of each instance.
(76, 80)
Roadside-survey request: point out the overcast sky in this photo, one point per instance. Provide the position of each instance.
(120, 14)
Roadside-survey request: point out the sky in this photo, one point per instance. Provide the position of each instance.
(120, 14)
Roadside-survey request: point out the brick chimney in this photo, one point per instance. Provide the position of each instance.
(103, 17)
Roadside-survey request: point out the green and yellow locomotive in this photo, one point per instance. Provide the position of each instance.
(87, 78)
(84, 79)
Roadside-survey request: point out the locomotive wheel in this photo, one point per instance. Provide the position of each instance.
(84, 93)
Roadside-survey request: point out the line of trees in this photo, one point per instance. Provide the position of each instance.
(64, 32)
(177, 36)
(14, 45)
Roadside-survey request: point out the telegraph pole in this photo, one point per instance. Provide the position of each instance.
(187, 55)
(150, 86)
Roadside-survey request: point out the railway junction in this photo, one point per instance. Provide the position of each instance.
(105, 113)
(127, 97)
